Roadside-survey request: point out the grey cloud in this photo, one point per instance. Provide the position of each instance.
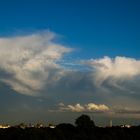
(127, 111)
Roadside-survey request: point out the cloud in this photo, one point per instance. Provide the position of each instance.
(90, 107)
(37, 65)
(126, 111)
(94, 107)
(115, 68)
(115, 76)
(30, 62)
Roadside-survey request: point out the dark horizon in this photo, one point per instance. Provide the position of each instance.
(84, 129)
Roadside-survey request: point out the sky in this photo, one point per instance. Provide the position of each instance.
(63, 58)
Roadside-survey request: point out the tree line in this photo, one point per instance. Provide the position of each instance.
(84, 129)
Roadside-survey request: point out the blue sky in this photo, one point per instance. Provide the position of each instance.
(97, 27)
(69, 56)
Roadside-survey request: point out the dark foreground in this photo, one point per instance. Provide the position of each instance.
(68, 132)
(84, 129)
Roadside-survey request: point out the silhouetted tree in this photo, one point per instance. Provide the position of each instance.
(84, 122)
(85, 127)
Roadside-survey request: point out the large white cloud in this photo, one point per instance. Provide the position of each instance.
(30, 61)
(115, 68)
(119, 74)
